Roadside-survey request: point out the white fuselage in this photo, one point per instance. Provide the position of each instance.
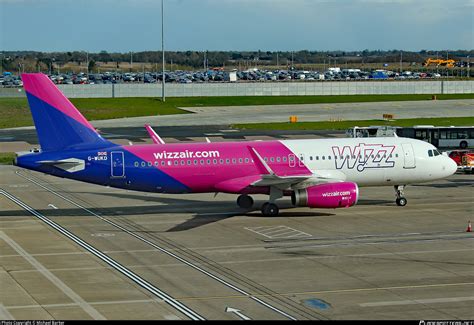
(373, 161)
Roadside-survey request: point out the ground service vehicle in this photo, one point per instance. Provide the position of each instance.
(464, 159)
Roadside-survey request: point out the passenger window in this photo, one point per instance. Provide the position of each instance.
(209, 161)
(329, 157)
(234, 160)
(149, 164)
(324, 158)
(221, 161)
(227, 161)
(189, 162)
(284, 159)
(143, 164)
(215, 161)
(156, 163)
(162, 163)
(202, 161)
(272, 159)
(195, 162)
(241, 160)
(396, 155)
(183, 162)
(317, 157)
(310, 157)
(136, 164)
(278, 159)
(176, 162)
(266, 159)
(246, 160)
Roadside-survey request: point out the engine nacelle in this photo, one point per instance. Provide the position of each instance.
(327, 196)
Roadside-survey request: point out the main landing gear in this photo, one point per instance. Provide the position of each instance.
(401, 200)
(269, 209)
(245, 201)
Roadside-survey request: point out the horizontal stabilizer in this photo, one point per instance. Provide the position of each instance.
(70, 165)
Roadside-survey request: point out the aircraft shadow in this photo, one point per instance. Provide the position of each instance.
(376, 202)
(452, 183)
(202, 212)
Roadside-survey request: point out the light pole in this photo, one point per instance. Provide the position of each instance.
(87, 64)
(163, 52)
(468, 67)
(401, 61)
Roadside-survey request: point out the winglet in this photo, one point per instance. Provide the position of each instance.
(154, 136)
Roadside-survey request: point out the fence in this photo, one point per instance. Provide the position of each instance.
(261, 89)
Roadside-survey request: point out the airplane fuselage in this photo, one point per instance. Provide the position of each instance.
(217, 167)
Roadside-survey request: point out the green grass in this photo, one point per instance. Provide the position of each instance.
(14, 112)
(6, 158)
(342, 125)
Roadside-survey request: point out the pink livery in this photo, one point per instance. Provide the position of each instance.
(315, 173)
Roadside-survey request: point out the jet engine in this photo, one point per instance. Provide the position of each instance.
(327, 196)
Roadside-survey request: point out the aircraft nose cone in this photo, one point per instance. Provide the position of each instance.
(451, 167)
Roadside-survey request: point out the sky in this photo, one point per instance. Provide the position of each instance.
(236, 25)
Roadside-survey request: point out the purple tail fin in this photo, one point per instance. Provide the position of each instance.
(58, 123)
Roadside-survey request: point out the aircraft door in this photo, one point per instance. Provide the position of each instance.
(292, 160)
(117, 168)
(408, 156)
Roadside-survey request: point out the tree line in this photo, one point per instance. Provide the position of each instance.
(34, 60)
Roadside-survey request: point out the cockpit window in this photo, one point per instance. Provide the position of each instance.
(436, 152)
(430, 153)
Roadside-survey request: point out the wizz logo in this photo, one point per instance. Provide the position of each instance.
(364, 156)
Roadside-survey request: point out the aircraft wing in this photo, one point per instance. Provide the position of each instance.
(293, 181)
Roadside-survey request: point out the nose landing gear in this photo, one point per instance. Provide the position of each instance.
(401, 200)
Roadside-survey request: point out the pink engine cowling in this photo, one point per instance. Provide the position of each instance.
(327, 196)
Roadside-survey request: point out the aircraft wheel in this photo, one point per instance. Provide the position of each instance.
(401, 201)
(270, 209)
(245, 201)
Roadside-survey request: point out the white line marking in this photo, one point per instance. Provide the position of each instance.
(237, 312)
(54, 279)
(278, 232)
(4, 314)
(161, 249)
(53, 206)
(415, 302)
(97, 303)
(134, 277)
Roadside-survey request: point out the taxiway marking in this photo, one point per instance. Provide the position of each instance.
(94, 313)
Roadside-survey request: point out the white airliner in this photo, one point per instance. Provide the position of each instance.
(322, 173)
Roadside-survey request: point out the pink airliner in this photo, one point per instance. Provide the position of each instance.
(322, 173)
